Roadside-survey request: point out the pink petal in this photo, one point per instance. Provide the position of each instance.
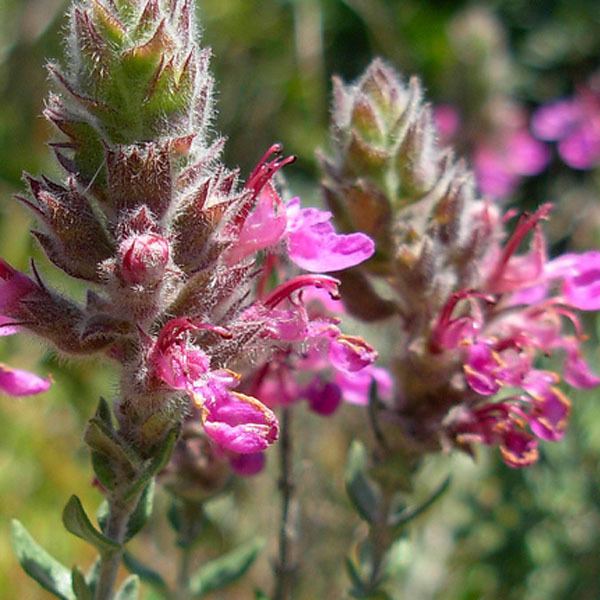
(550, 415)
(518, 449)
(263, 228)
(351, 353)
(525, 155)
(554, 121)
(576, 371)
(16, 382)
(239, 423)
(323, 397)
(6, 327)
(581, 149)
(355, 386)
(247, 465)
(481, 370)
(315, 246)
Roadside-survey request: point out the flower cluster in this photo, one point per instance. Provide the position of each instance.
(472, 315)
(169, 240)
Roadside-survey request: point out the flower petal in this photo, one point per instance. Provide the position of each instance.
(16, 382)
(239, 423)
(315, 246)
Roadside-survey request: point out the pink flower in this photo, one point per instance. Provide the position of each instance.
(16, 382)
(500, 330)
(311, 240)
(575, 124)
(500, 167)
(236, 422)
(14, 287)
(239, 423)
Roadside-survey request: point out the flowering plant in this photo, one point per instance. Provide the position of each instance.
(222, 302)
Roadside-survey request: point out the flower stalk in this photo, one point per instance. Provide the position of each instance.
(285, 568)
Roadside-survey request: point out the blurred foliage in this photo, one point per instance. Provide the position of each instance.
(498, 533)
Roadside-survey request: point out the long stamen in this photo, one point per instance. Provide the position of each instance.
(526, 224)
(284, 291)
(265, 169)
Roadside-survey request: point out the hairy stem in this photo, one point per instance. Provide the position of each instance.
(381, 540)
(116, 530)
(285, 567)
(183, 574)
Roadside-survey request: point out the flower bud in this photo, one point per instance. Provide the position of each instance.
(144, 258)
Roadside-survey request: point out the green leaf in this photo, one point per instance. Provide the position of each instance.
(101, 438)
(39, 565)
(104, 471)
(398, 520)
(78, 523)
(130, 589)
(226, 569)
(145, 573)
(142, 511)
(155, 464)
(260, 595)
(80, 586)
(361, 490)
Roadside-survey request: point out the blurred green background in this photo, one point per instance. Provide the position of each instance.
(498, 533)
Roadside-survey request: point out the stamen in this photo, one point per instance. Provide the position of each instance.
(524, 226)
(285, 290)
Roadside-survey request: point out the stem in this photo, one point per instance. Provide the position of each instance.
(183, 575)
(109, 564)
(285, 569)
(192, 524)
(380, 538)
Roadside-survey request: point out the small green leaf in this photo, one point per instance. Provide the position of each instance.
(226, 569)
(260, 595)
(39, 565)
(155, 464)
(80, 586)
(102, 439)
(103, 470)
(78, 523)
(399, 519)
(145, 573)
(142, 512)
(362, 492)
(130, 589)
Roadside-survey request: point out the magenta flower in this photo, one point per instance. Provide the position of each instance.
(500, 166)
(575, 124)
(308, 234)
(236, 422)
(327, 369)
(239, 423)
(14, 287)
(502, 329)
(16, 382)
